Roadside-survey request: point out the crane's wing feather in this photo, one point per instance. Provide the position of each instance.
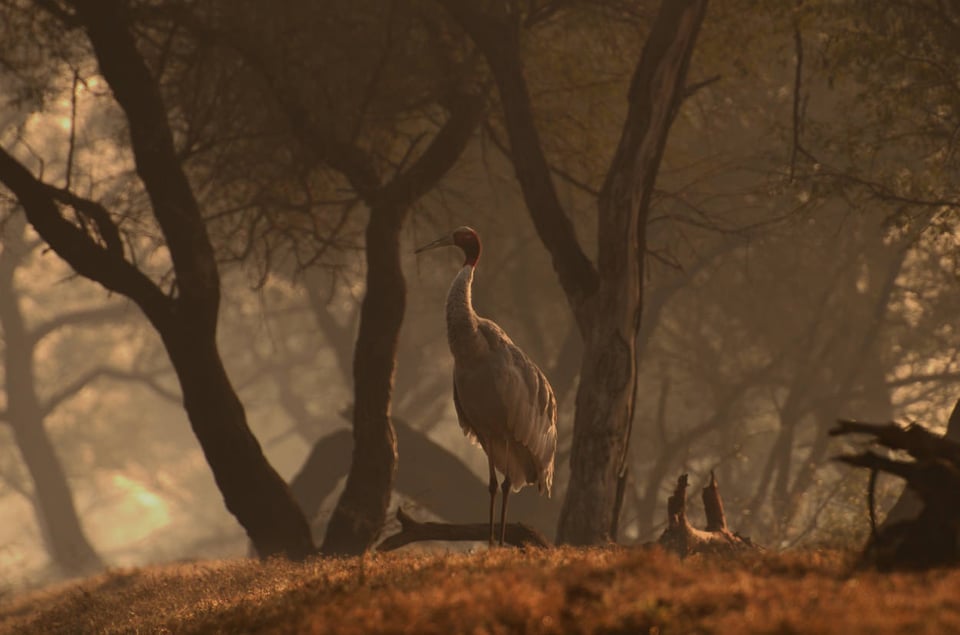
(465, 425)
(507, 403)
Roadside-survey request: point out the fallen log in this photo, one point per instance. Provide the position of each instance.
(518, 534)
(932, 538)
(684, 539)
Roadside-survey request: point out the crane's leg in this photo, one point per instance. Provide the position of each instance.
(493, 496)
(503, 509)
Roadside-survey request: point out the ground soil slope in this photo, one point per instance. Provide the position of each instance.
(499, 591)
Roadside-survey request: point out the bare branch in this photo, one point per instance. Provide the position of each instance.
(107, 23)
(68, 171)
(797, 79)
(66, 392)
(96, 212)
(76, 247)
(440, 156)
(74, 318)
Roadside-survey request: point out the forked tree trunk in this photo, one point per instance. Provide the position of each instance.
(683, 539)
(361, 511)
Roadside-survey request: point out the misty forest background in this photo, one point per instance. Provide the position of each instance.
(800, 261)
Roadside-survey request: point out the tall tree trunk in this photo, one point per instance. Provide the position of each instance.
(362, 509)
(57, 517)
(361, 512)
(60, 525)
(606, 299)
(605, 398)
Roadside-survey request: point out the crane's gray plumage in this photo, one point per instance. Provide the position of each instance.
(503, 400)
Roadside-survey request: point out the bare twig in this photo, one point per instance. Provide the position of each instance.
(797, 81)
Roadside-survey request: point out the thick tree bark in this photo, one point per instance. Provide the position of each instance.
(361, 513)
(63, 534)
(606, 300)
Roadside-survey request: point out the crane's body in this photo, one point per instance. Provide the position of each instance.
(503, 400)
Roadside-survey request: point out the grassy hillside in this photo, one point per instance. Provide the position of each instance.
(498, 591)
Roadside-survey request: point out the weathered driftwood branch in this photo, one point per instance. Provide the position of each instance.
(933, 537)
(684, 539)
(518, 534)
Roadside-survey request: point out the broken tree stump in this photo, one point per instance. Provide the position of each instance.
(518, 534)
(933, 537)
(683, 539)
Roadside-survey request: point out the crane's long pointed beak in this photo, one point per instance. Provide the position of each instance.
(443, 241)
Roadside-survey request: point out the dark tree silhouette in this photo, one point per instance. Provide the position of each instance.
(932, 473)
(186, 318)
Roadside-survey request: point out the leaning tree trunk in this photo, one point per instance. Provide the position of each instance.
(63, 534)
(186, 321)
(361, 512)
(252, 490)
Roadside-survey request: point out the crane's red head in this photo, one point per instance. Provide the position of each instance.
(463, 237)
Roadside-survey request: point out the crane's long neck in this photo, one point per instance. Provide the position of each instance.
(462, 322)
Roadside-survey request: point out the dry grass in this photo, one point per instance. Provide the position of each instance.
(498, 591)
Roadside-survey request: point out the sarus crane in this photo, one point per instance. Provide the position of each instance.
(503, 400)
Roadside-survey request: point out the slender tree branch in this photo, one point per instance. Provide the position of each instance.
(75, 246)
(444, 150)
(797, 80)
(107, 23)
(74, 318)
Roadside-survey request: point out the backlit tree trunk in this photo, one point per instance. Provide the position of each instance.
(605, 298)
(63, 534)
